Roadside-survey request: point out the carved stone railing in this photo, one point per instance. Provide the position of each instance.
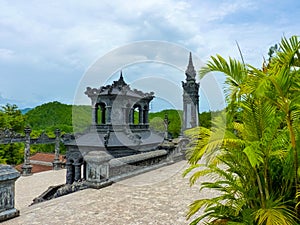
(8, 136)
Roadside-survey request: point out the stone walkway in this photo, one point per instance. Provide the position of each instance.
(158, 197)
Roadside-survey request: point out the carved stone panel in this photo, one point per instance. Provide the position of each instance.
(8, 176)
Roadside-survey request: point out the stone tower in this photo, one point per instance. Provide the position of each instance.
(190, 97)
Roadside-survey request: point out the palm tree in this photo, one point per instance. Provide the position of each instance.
(257, 185)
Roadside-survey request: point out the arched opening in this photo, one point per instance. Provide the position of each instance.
(137, 114)
(101, 112)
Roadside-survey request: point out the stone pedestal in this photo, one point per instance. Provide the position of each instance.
(8, 177)
(26, 169)
(97, 169)
(56, 164)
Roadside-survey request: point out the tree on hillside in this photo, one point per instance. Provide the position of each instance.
(253, 149)
(157, 121)
(11, 118)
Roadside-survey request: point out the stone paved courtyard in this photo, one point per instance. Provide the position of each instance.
(161, 196)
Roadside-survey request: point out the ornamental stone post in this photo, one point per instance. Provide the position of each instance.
(26, 167)
(56, 162)
(8, 177)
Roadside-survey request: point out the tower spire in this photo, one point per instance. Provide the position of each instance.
(190, 71)
(121, 76)
(190, 97)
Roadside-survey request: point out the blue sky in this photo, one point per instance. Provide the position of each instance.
(47, 48)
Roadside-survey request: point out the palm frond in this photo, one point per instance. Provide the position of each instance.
(276, 213)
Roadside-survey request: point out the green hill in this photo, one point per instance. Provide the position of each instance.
(69, 118)
(52, 115)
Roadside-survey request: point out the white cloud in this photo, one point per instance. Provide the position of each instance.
(58, 40)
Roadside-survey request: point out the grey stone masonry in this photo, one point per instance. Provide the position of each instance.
(8, 176)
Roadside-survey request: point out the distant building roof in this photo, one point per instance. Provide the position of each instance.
(44, 157)
(40, 162)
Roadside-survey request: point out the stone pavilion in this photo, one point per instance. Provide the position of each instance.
(119, 130)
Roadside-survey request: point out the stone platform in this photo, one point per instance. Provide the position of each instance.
(157, 197)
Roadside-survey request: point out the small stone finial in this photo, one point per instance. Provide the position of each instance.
(120, 82)
(121, 76)
(190, 71)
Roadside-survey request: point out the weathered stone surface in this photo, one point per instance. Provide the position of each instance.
(137, 158)
(159, 197)
(97, 169)
(8, 173)
(8, 176)
(97, 157)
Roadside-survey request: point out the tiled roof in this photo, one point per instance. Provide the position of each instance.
(40, 162)
(44, 157)
(36, 168)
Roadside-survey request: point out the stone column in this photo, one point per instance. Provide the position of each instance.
(84, 170)
(8, 177)
(77, 175)
(94, 114)
(146, 111)
(124, 116)
(26, 167)
(127, 115)
(70, 173)
(103, 115)
(140, 116)
(131, 116)
(108, 111)
(56, 162)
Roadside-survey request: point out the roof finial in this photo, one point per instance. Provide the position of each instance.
(121, 81)
(121, 76)
(190, 59)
